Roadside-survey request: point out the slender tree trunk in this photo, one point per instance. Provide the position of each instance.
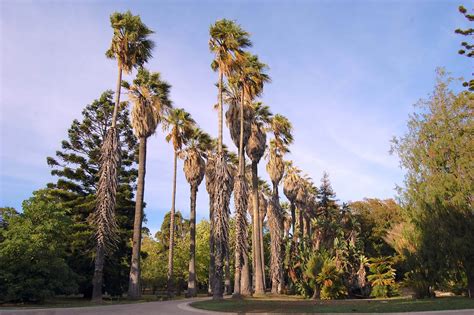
(316, 293)
(97, 280)
(259, 288)
(222, 193)
(171, 245)
(134, 282)
(212, 260)
(293, 219)
(219, 136)
(245, 281)
(192, 290)
(117, 97)
(262, 252)
(300, 223)
(241, 171)
(227, 287)
(470, 282)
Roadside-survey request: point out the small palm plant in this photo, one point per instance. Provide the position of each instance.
(330, 280)
(382, 277)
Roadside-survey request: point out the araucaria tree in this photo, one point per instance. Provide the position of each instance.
(131, 48)
(194, 169)
(76, 166)
(150, 98)
(227, 39)
(180, 126)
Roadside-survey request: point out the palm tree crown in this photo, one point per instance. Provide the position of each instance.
(181, 124)
(226, 42)
(130, 44)
(150, 96)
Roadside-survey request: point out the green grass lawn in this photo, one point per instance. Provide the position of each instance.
(293, 305)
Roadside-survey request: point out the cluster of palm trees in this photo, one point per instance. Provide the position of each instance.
(241, 79)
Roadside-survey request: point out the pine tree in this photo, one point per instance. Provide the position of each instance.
(327, 212)
(76, 166)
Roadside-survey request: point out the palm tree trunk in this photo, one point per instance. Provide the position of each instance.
(300, 223)
(227, 288)
(245, 281)
(238, 253)
(171, 245)
(259, 287)
(212, 260)
(97, 279)
(134, 282)
(192, 290)
(293, 219)
(117, 97)
(262, 253)
(219, 136)
(222, 192)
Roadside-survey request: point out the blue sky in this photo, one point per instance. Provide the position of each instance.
(346, 74)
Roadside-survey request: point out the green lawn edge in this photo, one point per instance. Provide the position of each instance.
(251, 305)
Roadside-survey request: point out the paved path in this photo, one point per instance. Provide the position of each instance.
(176, 307)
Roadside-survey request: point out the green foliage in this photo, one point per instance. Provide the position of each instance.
(377, 218)
(76, 166)
(33, 251)
(467, 48)
(382, 277)
(330, 280)
(154, 270)
(437, 153)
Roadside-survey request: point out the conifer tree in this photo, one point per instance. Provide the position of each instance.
(76, 167)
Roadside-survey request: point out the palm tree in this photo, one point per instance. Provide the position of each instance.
(180, 126)
(281, 128)
(150, 98)
(194, 169)
(255, 149)
(227, 39)
(210, 183)
(238, 117)
(290, 189)
(132, 48)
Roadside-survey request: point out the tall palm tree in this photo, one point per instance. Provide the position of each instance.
(281, 128)
(290, 189)
(194, 169)
(248, 79)
(210, 183)
(227, 39)
(255, 149)
(150, 98)
(131, 47)
(238, 117)
(180, 126)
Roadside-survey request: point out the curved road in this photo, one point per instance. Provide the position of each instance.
(159, 308)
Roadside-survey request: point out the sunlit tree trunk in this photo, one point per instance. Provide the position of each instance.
(134, 282)
(171, 244)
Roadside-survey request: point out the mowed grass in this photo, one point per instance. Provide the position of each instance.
(292, 305)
